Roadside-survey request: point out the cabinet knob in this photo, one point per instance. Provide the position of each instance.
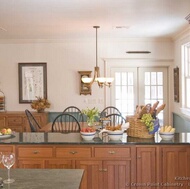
(111, 152)
(73, 152)
(139, 157)
(36, 152)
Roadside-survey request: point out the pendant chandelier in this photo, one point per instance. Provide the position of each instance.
(102, 81)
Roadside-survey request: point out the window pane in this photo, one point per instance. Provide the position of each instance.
(160, 92)
(131, 92)
(130, 78)
(124, 78)
(153, 92)
(147, 78)
(160, 78)
(188, 92)
(117, 92)
(153, 78)
(117, 78)
(147, 92)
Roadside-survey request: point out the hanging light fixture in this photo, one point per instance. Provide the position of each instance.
(100, 80)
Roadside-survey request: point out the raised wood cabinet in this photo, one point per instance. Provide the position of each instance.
(110, 162)
(6, 148)
(147, 165)
(18, 122)
(175, 166)
(111, 166)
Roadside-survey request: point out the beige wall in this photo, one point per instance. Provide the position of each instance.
(64, 60)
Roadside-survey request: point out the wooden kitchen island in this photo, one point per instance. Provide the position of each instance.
(129, 163)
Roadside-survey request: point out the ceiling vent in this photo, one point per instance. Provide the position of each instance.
(138, 52)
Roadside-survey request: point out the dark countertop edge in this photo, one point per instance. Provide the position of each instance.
(93, 143)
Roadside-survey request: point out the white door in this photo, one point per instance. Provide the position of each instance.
(139, 86)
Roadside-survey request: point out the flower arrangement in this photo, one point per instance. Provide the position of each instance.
(40, 104)
(91, 115)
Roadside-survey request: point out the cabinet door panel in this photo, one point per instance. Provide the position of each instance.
(117, 174)
(2, 122)
(6, 148)
(31, 164)
(58, 164)
(146, 166)
(175, 165)
(93, 175)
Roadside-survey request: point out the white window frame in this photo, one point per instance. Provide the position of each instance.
(185, 54)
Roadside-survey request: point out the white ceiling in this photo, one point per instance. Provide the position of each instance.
(60, 19)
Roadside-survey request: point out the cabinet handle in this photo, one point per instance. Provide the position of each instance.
(36, 152)
(139, 157)
(73, 152)
(103, 170)
(111, 152)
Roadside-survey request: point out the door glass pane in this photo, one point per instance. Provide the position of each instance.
(160, 78)
(124, 78)
(153, 92)
(153, 78)
(147, 78)
(117, 78)
(160, 92)
(130, 78)
(147, 92)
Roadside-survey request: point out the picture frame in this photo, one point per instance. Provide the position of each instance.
(32, 81)
(176, 84)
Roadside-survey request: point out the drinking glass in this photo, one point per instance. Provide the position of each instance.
(8, 161)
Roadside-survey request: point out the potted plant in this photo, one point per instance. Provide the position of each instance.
(91, 115)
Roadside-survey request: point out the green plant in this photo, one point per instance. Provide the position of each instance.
(91, 114)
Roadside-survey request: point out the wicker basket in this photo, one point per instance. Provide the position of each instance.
(137, 128)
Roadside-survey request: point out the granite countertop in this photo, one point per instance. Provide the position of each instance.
(43, 178)
(75, 138)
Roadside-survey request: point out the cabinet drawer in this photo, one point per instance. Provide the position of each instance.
(73, 152)
(14, 120)
(34, 152)
(112, 152)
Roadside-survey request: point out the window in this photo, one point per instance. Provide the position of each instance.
(186, 77)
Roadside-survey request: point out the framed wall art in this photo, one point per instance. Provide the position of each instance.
(176, 84)
(32, 81)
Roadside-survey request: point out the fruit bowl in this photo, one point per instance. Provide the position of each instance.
(115, 135)
(166, 135)
(88, 135)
